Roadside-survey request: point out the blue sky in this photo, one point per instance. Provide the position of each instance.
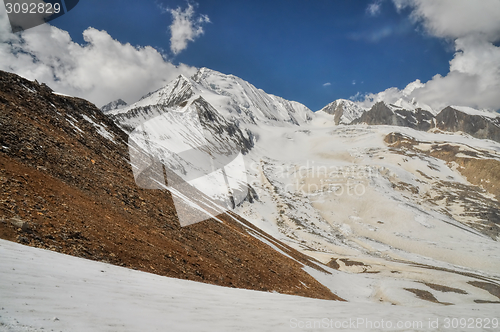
(289, 48)
(312, 51)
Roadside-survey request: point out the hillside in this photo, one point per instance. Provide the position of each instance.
(67, 186)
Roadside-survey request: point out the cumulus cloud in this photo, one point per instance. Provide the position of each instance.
(185, 27)
(456, 18)
(474, 76)
(101, 70)
(390, 95)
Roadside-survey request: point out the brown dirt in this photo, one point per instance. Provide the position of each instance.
(334, 264)
(489, 287)
(445, 289)
(425, 295)
(77, 193)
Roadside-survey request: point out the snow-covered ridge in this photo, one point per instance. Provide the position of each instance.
(234, 98)
(166, 97)
(403, 113)
(344, 111)
(243, 102)
(472, 111)
(411, 105)
(119, 103)
(348, 112)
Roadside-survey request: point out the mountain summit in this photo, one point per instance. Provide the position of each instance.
(235, 99)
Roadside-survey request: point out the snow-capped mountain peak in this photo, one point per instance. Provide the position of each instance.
(241, 101)
(344, 111)
(411, 105)
(234, 98)
(168, 96)
(473, 111)
(116, 104)
(199, 127)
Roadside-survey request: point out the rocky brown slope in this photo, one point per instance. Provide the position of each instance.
(66, 185)
(479, 200)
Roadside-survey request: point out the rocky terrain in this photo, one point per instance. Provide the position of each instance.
(483, 125)
(477, 125)
(66, 185)
(381, 114)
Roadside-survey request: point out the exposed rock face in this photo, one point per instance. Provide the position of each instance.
(64, 170)
(450, 119)
(213, 122)
(381, 114)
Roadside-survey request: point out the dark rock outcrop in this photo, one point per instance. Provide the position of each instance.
(381, 114)
(450, 119)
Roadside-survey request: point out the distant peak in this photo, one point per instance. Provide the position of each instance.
(116, 104)
(344, 111)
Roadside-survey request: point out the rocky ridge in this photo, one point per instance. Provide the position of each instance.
(453, 119)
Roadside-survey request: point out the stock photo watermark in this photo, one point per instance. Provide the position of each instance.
(27, 14)
(429, 324)
(313, 178)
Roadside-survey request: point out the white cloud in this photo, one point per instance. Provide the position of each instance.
(473, 80)
(456, 18)
(101, 70)
(474, 76)
(185, 27)
(367, 100)
(374, 8)
(327, 84)
(358, 97)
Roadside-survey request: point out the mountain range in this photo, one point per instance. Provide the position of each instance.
(404, 159)
(397, 203)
